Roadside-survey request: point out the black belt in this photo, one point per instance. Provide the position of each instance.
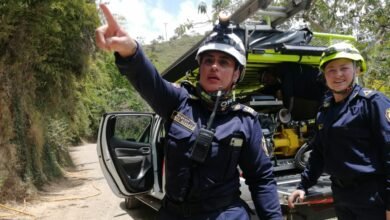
(354, 182)
(187, 209)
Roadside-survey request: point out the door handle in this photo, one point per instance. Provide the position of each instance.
(145, 150)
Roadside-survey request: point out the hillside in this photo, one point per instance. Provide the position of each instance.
(163, 55)
(54, 86)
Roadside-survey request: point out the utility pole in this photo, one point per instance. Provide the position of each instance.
(166, 39)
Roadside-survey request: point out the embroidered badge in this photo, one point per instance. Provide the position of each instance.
(183, 120)
(236, 142)
(388, 114)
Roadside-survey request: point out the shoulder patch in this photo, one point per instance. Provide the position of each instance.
(387, 114)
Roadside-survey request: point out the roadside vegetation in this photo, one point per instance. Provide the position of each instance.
(55, 85)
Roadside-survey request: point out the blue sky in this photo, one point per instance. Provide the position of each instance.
(147, 19)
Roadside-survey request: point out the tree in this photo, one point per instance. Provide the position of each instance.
(202, 8)
(183, 28)
(46, 47)
(369, 22)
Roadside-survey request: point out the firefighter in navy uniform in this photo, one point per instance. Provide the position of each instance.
(208, 135)
(352, 142)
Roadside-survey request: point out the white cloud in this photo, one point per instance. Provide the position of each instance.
(148, 21)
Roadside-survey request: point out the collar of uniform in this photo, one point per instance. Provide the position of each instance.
(354, 93)
(329, 99)
(346, 102)
(209, 99)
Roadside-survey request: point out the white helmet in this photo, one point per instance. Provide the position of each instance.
(225, 42)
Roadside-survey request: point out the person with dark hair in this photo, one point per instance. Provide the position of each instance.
(352, 144)
(208, 134)
(271, 83)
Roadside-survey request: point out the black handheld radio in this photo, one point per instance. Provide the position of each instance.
(201, 147)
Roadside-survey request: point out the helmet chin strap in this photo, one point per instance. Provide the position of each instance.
(209, 98)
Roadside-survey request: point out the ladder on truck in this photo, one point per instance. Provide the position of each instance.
(273, 15)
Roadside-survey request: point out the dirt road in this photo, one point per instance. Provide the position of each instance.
(83, 194)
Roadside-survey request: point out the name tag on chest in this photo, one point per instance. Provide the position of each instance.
(236, 142)
(183, 120)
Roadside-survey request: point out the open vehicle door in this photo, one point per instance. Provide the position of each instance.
(124, 149)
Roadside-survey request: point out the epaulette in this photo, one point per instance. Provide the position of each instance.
(244, 108)
(367, 93)
(190, 88)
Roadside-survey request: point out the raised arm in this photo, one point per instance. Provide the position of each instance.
(161, 95)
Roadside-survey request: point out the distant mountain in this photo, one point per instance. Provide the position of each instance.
(163, 54)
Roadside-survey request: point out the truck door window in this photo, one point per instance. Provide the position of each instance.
(133, 128)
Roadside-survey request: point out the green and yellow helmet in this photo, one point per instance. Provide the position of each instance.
(342, 50)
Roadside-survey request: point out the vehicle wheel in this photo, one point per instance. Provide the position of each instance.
(302, 156)
(132, 202)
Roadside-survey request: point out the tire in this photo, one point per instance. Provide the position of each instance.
(132, 202)
(302, 156)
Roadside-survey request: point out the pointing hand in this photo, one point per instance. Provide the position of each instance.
(112, 37)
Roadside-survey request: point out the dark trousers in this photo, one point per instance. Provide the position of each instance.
(360, 201)
(346, 213)
(236, 211)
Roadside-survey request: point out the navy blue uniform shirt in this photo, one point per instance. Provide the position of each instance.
(353, 139)
(237, 141)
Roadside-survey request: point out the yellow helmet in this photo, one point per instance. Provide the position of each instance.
(342, 50)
